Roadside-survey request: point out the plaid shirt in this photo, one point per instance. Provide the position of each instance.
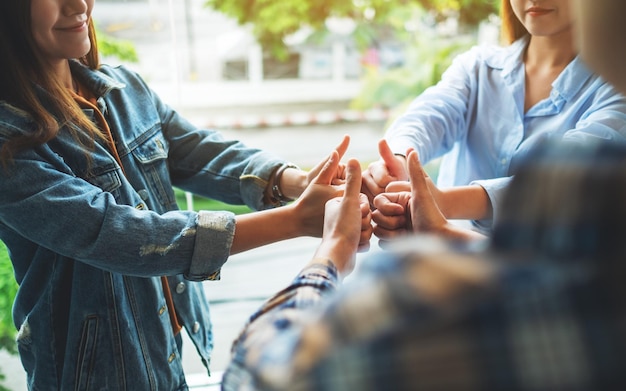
(439, 319)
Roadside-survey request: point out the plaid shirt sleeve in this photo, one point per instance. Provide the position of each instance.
(276, 324)
(440, 321)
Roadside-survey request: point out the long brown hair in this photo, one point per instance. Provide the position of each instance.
(23, 71)
(512, 29)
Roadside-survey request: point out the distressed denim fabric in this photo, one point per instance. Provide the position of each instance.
(88, 240)
(474, 118)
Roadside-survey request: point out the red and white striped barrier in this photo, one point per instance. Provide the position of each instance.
(296, 119)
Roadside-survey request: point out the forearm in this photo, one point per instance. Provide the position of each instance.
(456, 233)
(264, 227)
(465, 202)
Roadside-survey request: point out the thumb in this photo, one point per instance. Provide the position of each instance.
(353, 179)
(394, 167)
(417, 176)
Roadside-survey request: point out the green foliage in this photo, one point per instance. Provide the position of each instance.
(8, 289)
(471, 12)
(201, 203)
(427, 60)
(111, 47)
(273, 20)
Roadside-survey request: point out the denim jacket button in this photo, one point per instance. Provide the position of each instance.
(196, 327)
(180, 287)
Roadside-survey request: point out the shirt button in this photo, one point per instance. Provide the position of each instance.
(180, 287)
(162, 310)
(503, 161)
(196, 327)
(171, 357)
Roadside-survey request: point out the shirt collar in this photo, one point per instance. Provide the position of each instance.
(573, 78)
(567, 85)
(509, 58)
(97, 82)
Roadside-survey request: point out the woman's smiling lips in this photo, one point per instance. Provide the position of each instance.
(537, 11)
(75, 27)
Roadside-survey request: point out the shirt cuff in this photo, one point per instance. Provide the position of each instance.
(214, 237)
(322, 267)
(495, 189)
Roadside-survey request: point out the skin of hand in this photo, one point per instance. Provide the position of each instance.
(309, 207)
(459, 202)
(390, 175)
(293, 181)
(379, 174)
(398, 213)
(347, 227)
(303, 217)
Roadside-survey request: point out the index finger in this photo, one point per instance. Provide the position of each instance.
(343, 146)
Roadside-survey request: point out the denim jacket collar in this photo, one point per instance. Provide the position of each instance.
(97, 82)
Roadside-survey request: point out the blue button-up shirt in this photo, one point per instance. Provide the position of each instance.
(89, 241)
(474, 117)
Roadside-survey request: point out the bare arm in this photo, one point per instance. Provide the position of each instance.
(415, 210)
(460, 202)
(390, 175)
(347, 224)
(304, 217)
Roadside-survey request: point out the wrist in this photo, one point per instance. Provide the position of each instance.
(337, 251)
(293, 181)
(445, 203)
(278, 192)
(469, 202)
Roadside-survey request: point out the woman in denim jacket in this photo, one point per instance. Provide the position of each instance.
(89, 156)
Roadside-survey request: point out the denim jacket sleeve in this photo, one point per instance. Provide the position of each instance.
(45, 204)
(99, 215)
(199, 160)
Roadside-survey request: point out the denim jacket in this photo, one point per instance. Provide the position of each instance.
(88, 239)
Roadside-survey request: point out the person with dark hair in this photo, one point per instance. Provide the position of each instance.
(108, 268)
(491, 107)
